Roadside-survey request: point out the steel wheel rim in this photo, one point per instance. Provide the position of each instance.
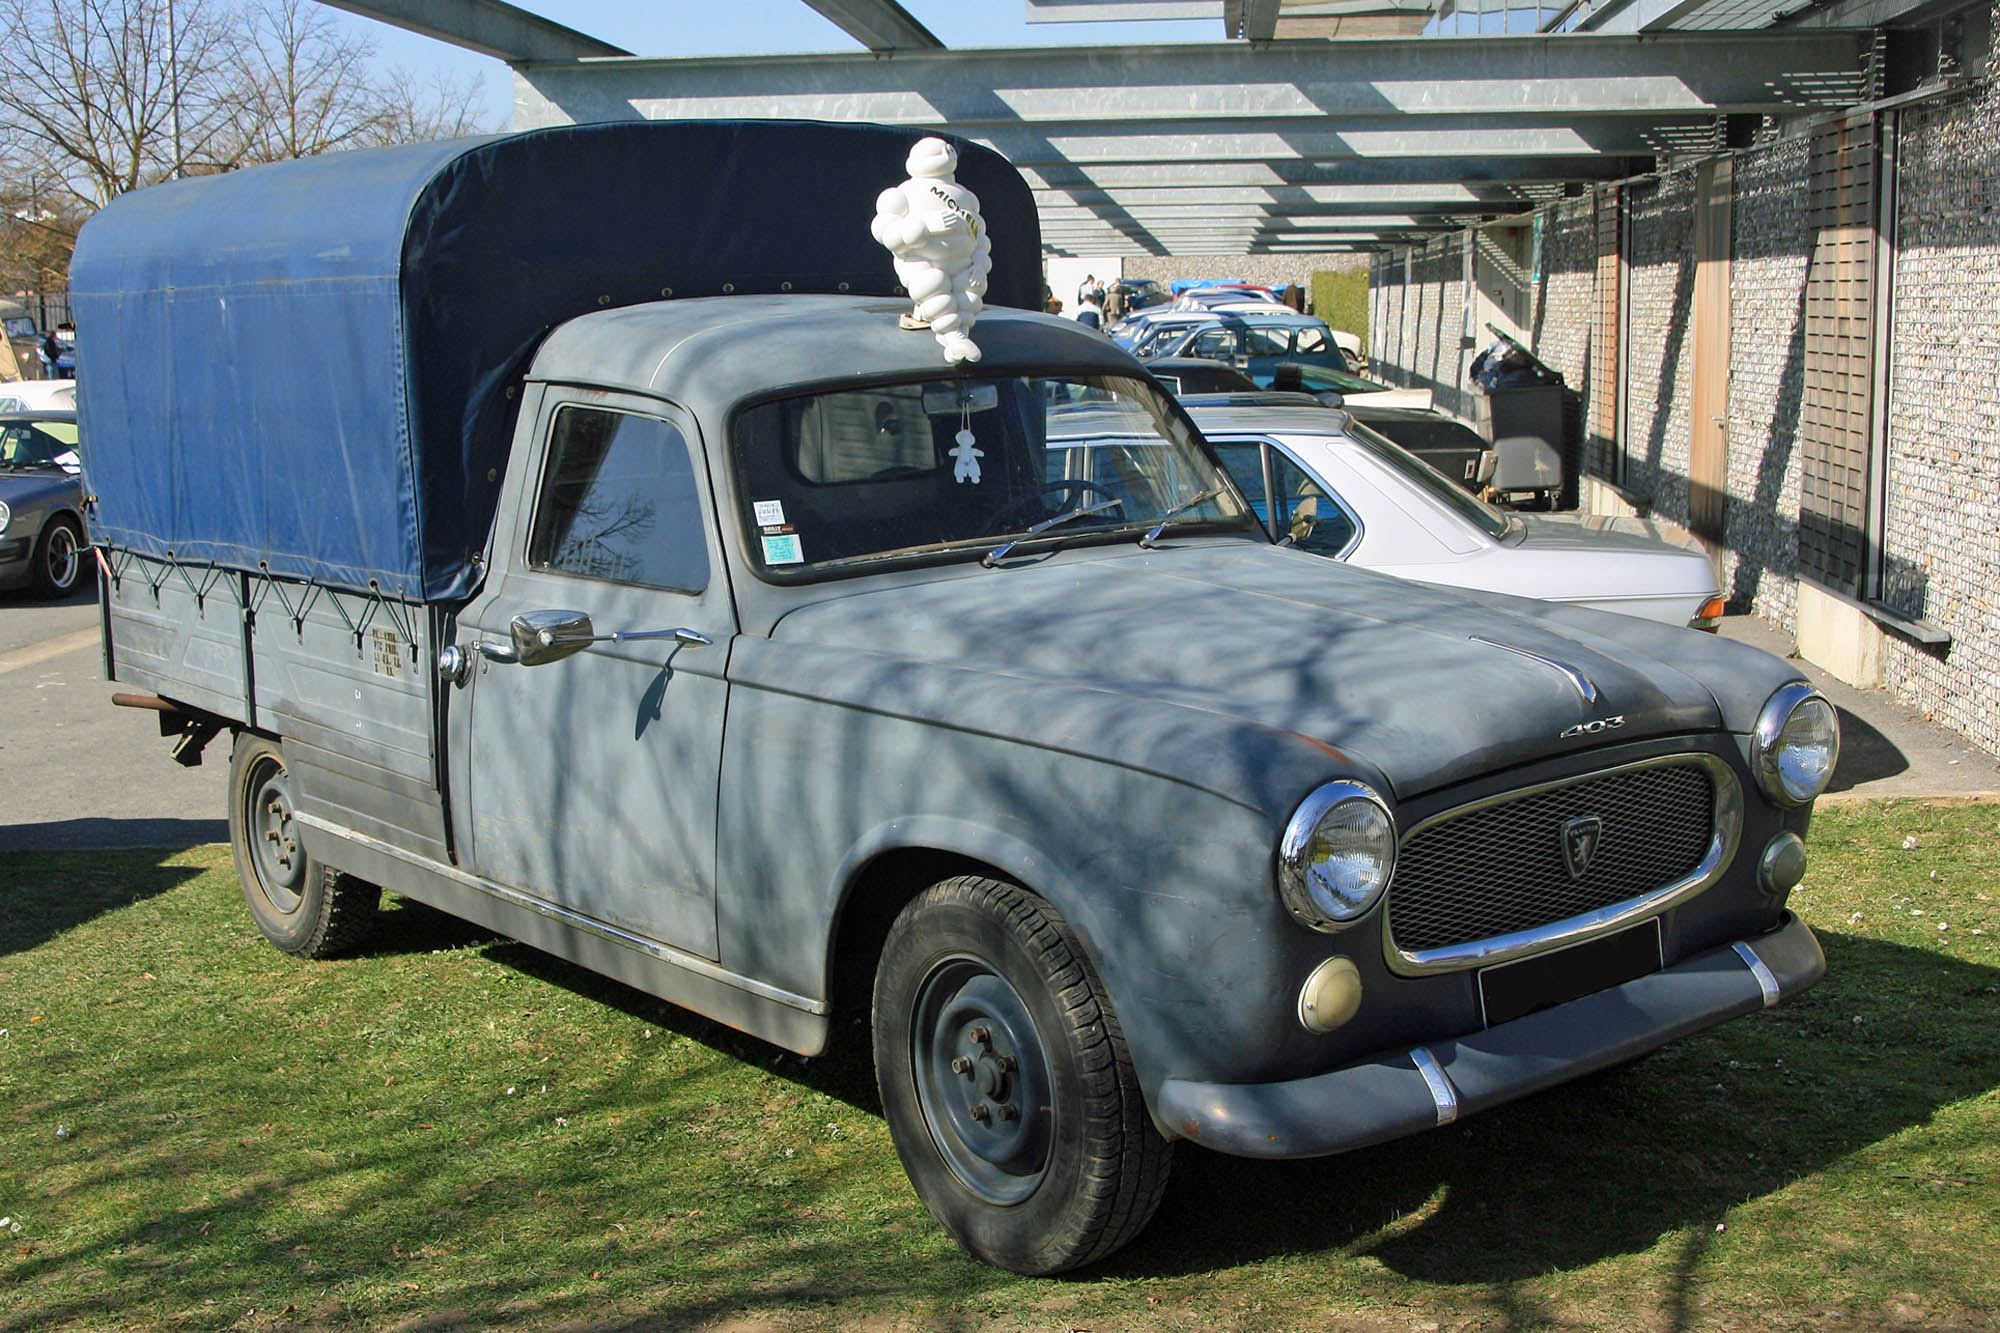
(273, 837)
(975, 1045)
(62, 559)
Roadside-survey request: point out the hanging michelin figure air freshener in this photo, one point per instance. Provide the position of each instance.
(931, 224)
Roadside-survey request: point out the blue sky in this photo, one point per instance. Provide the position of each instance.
(733, 27)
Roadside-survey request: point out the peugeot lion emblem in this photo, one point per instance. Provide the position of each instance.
(1580, 838)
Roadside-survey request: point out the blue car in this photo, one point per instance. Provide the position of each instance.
(1256, 343)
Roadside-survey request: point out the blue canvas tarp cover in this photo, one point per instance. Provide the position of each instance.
(306, 367)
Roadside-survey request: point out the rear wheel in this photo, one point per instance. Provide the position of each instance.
(303, 907)
(1006, 1082)
(60, 558)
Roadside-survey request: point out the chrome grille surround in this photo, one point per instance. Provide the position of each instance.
(1592, 918)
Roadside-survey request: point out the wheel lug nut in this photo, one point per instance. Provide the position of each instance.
(981, 1112)
(1009, 1111)
(980, 1035)
(1009, 1063)
(960, 1065)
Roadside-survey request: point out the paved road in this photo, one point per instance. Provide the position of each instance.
(74, 771)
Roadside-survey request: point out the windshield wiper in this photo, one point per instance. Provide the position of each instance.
(1154, 534)
(999, 553)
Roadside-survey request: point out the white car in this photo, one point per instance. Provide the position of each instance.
(38, 396)
(1338, 489)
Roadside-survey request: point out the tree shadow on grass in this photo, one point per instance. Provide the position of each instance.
(1602, 1168)
(1608, 1165)
(48, 893)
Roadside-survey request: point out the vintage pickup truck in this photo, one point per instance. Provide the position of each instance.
(569, 537)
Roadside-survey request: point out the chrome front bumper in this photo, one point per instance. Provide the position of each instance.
(1427, 1086)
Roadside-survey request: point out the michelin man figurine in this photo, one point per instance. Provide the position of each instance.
(942, 253)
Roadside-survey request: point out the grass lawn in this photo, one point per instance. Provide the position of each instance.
(456, 1131)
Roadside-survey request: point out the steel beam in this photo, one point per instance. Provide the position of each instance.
(489, 27)
(1455, 138)
(1200, 83)
(1361, 171)
(879, 25)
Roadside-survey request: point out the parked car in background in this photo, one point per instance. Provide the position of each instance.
(23, 338)
(1337, 488)
(43, 533)
(1340, 388)
(1226, 296)
(1191, 374)
(1143, 293)
(1150, 328)
(1256, 343)
(38, 396)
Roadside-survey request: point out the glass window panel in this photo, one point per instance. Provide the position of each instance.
(619, 501)
(1307, 511)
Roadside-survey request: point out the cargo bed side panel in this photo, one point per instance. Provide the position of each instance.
(343, 678)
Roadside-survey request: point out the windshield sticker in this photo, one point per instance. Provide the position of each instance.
(770, 513)
(782, 549)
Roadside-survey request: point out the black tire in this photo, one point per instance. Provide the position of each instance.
(61, 559)
(984, 999)
(303, 907)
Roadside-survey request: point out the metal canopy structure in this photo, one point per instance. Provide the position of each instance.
(1278, 137)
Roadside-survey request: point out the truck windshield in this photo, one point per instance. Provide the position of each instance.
(949, 469)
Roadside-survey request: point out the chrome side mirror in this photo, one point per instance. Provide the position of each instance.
(550, 636)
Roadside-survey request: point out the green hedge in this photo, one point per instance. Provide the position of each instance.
(1341, 299)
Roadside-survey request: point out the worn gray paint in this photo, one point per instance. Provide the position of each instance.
(1124, 731)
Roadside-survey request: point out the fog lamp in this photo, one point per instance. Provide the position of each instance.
(1782, 865)
(1330, 996)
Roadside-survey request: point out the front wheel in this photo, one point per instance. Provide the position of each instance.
(303, 907)
(1006, 1082)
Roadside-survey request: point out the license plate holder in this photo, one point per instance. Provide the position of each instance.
(1515, 990)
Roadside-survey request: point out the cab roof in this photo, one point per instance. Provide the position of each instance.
(713, 353)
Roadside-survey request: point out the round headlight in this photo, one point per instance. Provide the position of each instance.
(1338, 853)
(6, 514)
(1796, 745)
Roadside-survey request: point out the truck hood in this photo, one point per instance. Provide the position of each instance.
(1390, 671)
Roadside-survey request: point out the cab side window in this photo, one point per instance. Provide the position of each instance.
(1270, 342)
(619, 501)
(1214, 345)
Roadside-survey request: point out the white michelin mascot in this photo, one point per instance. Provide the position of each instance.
(932, 226)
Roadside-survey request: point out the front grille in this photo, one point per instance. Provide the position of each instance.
(1499, 868)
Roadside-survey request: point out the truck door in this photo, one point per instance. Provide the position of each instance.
(592, 779)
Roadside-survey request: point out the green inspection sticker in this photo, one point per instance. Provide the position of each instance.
(782, 550)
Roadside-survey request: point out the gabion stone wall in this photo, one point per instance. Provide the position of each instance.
(1767, 333)
(1942, 547)
(1418, 339)
(1661, 376)
(1941, 504)
(1566, 292)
